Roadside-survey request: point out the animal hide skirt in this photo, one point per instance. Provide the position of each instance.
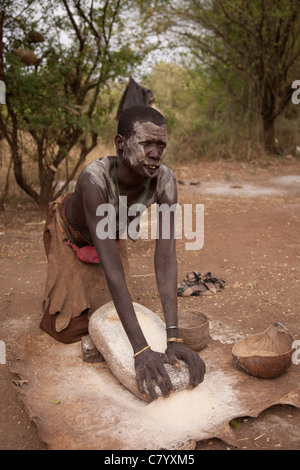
(73, 289)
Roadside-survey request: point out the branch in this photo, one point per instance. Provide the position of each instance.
(77, 30)
(84, 152)
(89, 21)
(236, 21)
(113, 19)
(287, 33)
(103, 20)
(217, 32)
(66, 143)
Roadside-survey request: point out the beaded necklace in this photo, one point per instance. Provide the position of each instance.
(144, 195)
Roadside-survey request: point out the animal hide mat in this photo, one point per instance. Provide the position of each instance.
(79, 405)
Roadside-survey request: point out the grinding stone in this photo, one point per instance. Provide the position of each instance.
(108, 335)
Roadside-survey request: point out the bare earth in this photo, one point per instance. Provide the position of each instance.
(252, 226)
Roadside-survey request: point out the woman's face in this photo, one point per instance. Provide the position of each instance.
(144, 151)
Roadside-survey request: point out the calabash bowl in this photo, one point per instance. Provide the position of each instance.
(267, 354)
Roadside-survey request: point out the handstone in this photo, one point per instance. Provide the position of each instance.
(109, 337)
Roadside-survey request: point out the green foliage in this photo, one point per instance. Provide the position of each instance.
(193, 109)
(58, 58)
(206, 121)
(238, 59)
(252, 46)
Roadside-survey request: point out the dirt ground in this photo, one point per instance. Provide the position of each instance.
(251, 227)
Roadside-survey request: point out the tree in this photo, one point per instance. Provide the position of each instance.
(258, 39)
(57, 58)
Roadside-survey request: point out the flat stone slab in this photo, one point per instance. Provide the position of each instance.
(89, 351)
(108, 335)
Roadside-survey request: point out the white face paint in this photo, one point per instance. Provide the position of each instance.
(145, 149)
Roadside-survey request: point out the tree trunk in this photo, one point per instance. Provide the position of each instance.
(18, 172)
(269, 136)
(4, 194)
(46, 192)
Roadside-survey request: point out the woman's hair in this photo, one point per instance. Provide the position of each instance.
(138, 113)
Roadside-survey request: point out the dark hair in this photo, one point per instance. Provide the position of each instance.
(138, 113)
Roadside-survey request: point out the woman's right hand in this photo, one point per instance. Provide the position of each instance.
(150, 371)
